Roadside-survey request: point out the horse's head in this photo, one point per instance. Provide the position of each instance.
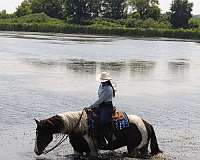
(44, 136)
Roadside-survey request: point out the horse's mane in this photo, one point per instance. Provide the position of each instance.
(54, 124)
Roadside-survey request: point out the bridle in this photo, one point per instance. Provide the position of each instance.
(65, 136)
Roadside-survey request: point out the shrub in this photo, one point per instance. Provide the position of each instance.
(150, 23)
(100, 22)
(130, 22)
(194, 23)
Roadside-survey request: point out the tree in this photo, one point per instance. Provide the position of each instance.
(154, 12)
(165, 16)
(24, 8)
(53, 8)
(146, 8)
(3, 14)
(180, 13)
(114, 9)
(80, 10)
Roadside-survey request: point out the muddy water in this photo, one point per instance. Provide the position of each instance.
(45, 74)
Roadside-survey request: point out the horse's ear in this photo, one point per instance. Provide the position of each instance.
(37, 122)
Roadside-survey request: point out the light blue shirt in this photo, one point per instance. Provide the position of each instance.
(105, 94)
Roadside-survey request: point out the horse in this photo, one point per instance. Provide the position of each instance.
(136, 137)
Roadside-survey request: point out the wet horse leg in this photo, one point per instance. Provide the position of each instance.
(144, 153)
(133, 139)
(93, 149)
(79, 144)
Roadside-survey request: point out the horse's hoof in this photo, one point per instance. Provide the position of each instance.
(131, 155)
(128, 155)
(124, 154)
(92, 157)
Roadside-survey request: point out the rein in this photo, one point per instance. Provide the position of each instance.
(65, 136)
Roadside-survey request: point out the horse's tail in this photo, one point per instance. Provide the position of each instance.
(153, 142)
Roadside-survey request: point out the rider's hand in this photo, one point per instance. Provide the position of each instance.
(90, 108)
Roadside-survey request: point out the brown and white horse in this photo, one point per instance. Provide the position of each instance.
(136, 137)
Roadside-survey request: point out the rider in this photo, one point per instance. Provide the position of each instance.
(104, 104)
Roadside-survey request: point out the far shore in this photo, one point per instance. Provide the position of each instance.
(42, 23)
(21, 32)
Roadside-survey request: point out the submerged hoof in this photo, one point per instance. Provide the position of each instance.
(93, 157)
(130, 155)
(156, 153)
(136, 154)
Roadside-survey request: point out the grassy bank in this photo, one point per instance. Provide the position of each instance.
(43, 23)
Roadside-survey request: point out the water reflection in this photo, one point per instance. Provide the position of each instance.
(40, 63)
(75, 65)
(178, 68)
(81, 65)
(113, 66)
(137, 69)
(141, 67)
(91, 67)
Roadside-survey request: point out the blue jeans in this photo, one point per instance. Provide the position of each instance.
(105, 113)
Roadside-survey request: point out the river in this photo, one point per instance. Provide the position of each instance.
(45, 74)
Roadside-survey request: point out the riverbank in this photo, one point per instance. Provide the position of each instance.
(42, 23)
(133, 32)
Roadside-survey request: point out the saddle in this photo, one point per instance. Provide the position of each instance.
(119, 121)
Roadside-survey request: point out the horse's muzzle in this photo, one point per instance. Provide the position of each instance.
(37, 152)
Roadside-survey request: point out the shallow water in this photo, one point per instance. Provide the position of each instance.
(45, 74)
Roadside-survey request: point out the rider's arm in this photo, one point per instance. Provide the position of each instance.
(105, 96)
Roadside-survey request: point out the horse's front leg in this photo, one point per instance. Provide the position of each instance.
(93, 149)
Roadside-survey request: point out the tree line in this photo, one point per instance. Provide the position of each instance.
(89, 9)
(79, 11)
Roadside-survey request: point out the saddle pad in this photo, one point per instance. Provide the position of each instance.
(121, 122)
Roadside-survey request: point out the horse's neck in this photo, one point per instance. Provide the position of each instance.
(74, 121)
(56, 124)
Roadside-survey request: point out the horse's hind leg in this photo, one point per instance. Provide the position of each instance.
(133, 153)
(144, 153)
(138, 153)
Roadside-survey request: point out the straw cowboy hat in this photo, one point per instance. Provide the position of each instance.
(103, 77)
